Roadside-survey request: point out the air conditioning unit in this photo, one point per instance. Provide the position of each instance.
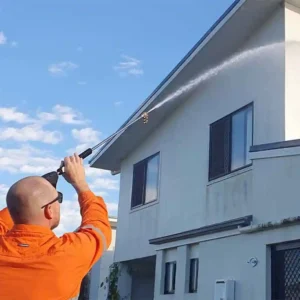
(224, 289)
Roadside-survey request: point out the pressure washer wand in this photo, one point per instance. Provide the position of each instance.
(52, 177)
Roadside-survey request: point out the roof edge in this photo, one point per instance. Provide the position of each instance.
(172, 73)
(275, 145)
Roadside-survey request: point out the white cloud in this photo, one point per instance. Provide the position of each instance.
(78, 149)
(27, 160)
(62, 68)
(86, 135)
(136, 71)
(14, 44)
(3, 189)
(68, 115)
(31, 160)
(60, 113)
(112, 208)
(47, 117)
(81, 82)
(3, 38)
(105, 183)
(33, 133)
(93, 172)
(70, 217)
(10, 114)
(63, 114)
(129, 66)
(3, 192)
(118, 103)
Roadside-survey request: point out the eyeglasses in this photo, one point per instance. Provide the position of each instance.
(59, 198)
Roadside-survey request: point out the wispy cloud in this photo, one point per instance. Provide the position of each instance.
(11, 114)
(86, 135)
(14, 44)
(63, 114)
(118, 103)
(27, 160)
(105, 183)
(81, 82)
(3, 38)
(62, 68)
(33, 132)
(3, 192)
(129, 66)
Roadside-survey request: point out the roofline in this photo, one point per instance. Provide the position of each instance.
(275, 145)
(173, 71)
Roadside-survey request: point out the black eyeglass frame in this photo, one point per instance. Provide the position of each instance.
(59, 198)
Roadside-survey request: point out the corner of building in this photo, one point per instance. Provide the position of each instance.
(292, 69)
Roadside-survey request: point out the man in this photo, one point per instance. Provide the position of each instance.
(34, 263)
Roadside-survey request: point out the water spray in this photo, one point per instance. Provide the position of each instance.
(52, 177)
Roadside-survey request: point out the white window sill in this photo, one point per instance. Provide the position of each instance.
(141, 207)
(233, 174)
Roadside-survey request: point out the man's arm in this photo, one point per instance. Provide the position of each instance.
(93, 237)
(6, 222)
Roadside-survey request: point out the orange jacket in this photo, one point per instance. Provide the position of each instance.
(37, 265)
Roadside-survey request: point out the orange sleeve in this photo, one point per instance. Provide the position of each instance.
(6, 222)
(93, 237)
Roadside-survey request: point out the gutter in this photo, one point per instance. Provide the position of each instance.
(270, 225)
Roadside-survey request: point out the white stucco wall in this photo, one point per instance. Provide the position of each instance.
(229, 260)
(292, 91)
(186, 200)
(276, 188)
(276, 196)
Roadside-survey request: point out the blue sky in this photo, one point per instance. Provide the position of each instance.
(71, 72)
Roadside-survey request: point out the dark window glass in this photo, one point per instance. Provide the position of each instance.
(230, 141)
(145, 181)
(193, 282)
(170, 277)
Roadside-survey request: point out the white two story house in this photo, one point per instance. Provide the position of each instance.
(210, 187)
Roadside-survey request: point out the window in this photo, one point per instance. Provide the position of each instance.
(230, 141)
(285, 270)
(170, 277)
(193, 282)
(145, 181)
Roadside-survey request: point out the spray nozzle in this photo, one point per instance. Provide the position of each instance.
(52, 177)
(145, 117)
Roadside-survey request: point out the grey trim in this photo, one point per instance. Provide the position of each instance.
(209, 229)
(277, 145)
(100, 232)
(165, 80)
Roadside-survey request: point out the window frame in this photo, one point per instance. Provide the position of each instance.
(145, 163)
(166, 292)
(229, 117)
(191, 290)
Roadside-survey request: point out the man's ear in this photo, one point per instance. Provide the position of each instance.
(48, 211)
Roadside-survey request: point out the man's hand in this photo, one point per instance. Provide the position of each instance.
(74, 173)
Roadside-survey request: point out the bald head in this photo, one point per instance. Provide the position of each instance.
(26, 197)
